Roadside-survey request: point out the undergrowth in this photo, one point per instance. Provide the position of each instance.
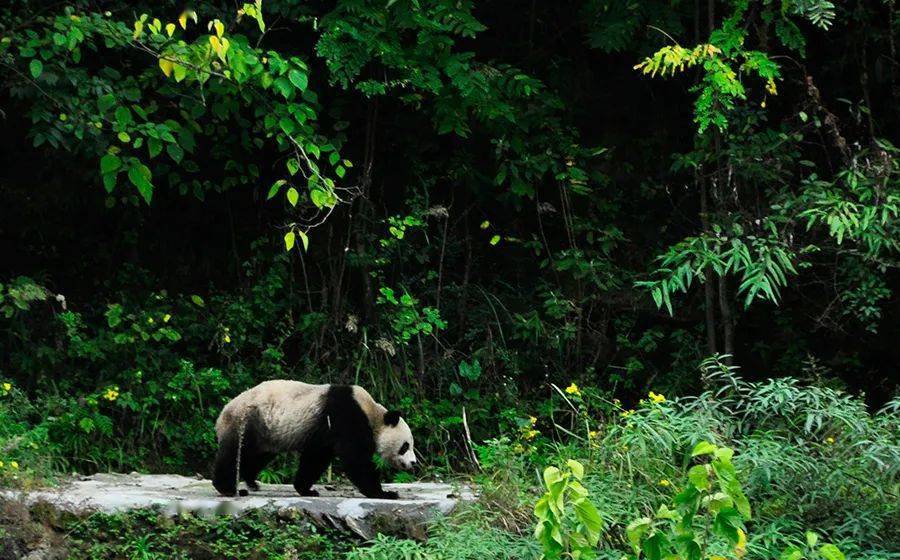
(811, 460)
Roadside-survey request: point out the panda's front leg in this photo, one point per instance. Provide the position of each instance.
(361, 471)
(314, 459)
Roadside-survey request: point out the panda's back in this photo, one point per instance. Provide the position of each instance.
(285, 409)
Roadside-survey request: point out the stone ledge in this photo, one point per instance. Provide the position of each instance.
(338, 507)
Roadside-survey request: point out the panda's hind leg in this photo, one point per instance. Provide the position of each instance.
(251, 465)
(224, 472)
(254, 455)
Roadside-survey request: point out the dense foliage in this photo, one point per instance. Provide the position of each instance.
(466, 207)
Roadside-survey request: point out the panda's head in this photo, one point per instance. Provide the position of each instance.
(395, 442)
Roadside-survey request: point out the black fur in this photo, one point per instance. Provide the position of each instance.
(391, 418)
(342, 431)
(224, 479)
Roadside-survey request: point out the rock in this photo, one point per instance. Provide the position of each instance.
(339, 507)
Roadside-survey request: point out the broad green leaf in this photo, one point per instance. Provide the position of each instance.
(154, 147)
(811, 539)
(299, 79)
(110, 163)
(36, 67)
(321, 199)
(123, 116)
(276, 186)
(791, 554)
(293, 196)
(576, 468)
(109, 181)
(703, 448)
(699, 477)
(166, 66)
(635, 532)
(140, 176)
(289, 240)
(175, 152)
(830, 552)
(106, 101)
(551, 476)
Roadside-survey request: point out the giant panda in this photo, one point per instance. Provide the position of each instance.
(319, 423)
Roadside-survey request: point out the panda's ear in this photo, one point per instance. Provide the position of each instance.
(391, 418)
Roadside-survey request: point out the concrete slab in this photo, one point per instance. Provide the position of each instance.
(338, 507)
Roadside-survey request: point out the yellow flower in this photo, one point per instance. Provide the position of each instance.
(166, 318)
(665, 482)
(14, 465)
(573, 389)
(657, 398)
(1, 464)
(531, 434)
(533, 420)
(592, 434)
(7, 387)
(740, 549)
(626, 413)
(111, 394)
(829, 440)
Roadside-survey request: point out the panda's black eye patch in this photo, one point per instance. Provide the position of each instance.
(403, 448)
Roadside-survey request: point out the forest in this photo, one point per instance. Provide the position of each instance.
(627, 266)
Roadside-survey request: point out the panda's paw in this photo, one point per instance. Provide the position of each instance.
(310, 493)
(253, 486)
(389, 495)
(242, 492)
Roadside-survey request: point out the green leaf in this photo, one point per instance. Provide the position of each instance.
(110, 163)
(635, 531)
(495, 240)
(276, 186)
(198, 301)
(551, 476)
(830, 552)
(140, 176)
(703, 448)
(36, 67)
(791, 553)
(699, 477)
(299, 79)
(175, 152)
(293, 196)
(106, 101)
(304, 240)
(123, 116)
(289, 240)
(576, 467)
(811, 539)
(319, 197)
(154, 147)
(109, 181)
